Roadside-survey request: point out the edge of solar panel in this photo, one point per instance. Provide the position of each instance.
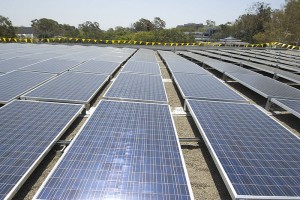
(137, 100)
(246, 85)
(85, 71)
(19, 95)
(218, 164)
(282, 105)
(210, 99)
(132, 72)
(43, 154)
(80, 130)
(24, 97)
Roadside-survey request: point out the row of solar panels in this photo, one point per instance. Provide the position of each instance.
(131, 148)
(58, 80)
(279, 93)
(126, 150)
(256, 156)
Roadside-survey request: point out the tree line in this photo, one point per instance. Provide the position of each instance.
(260, 24)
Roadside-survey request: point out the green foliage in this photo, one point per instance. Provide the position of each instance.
(90, 30)
(45, 28)
(6, 27)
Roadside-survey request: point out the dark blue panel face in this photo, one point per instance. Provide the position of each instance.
(259, 156)
(52, 66)
(138, 87)
(125, 151)
(98, 67)
(16, 83)
(16, 63)
(141, 68)
(26, 131)
(70, 86)
(204, 87)
(293, 106)
(268, 86)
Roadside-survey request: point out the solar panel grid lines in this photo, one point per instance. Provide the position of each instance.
(137, 87)
(98, 67)
(257, 157)
(133, 167)
(265, 86)
(292, 106)
(187, 67)
(28, 131)
(194, 86)
(16, 63)
(54, 65)
(16, 83)
(70, 87)
(141, 68)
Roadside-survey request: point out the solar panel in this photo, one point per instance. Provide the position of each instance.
(256, 156)
(187, 67)
(126, 150)
(293, 106)
(16, 63)
(137, 87)
(28, 131)
(141, 68)
(16, 83)
(266, 86)
(70, 87)
(98, 67)
(194, 86)
(54, 66)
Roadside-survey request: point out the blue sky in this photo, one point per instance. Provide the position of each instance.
(112, 13)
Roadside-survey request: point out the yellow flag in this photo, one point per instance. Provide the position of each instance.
(147, 43)
(172, 44)
(95, 41)
(187, 44)
(193, 44)
(141, 42)
(106, 41)
(31, 40)
(76, 39)
(15, 39)
(9, 39)
(182, 44)
(124, 41)
(25, 40)
(199, 43)
(289, 46)
(283, 45)
(4, 39)
(42, 39)
(293, 47)
(53, 39)
(134, 42)
(89, 40)
(70, 39)
(176, 44)
(59, 39)
(153, 43)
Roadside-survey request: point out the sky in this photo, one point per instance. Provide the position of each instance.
(112, 13)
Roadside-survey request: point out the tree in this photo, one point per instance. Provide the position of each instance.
(143, 25)
(6, 27)
(159, 23)
(45, 28)
(292, 21)
(90, 29)
(68, 30)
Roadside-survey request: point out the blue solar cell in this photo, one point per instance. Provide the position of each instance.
(256, 156)
(70, 87)
(125, 151)
(292, 106)
(53, 65)
(27, 131)
(195, 86)
(137, 87)
(141, 68)
(14, 84)
(265, 86)
(98, 67)
(16, 63)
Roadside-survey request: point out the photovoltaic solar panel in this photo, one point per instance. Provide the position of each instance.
(187, 67)
(293, 106)
(194, 86)
(256, 156)
(126, 150)
(141, 68)
(98, 67)
(54, 66)
(27, 132)
(265, 86)
(137, 87)
(14, 84)
(16, 63)
(71, 87)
